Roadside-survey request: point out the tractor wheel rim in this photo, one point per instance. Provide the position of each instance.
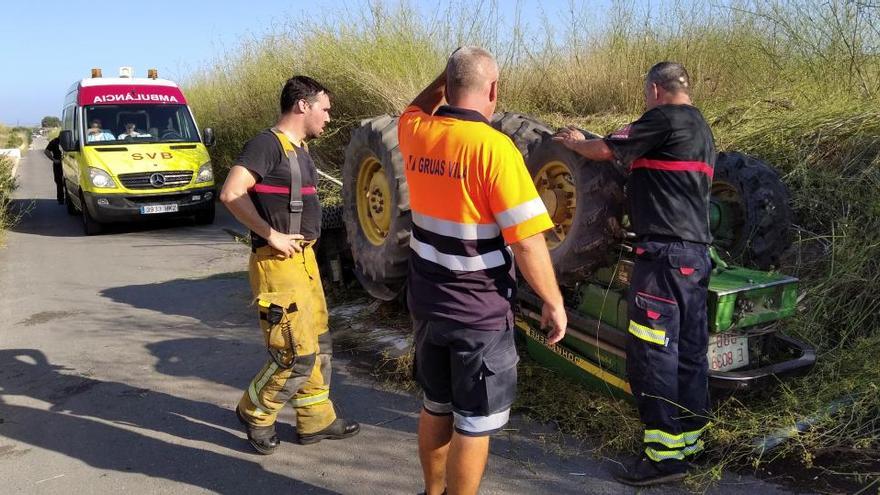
(555, 184)
(373, 201)
(728, 205)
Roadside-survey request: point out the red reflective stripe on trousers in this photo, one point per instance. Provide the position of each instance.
(267, 189)
(674, 166)
(656, 298)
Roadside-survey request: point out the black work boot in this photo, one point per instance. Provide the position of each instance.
(262, 438)
(646, 472)
(338, 429)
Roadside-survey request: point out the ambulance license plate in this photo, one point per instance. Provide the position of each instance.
(148, 209)
(728, 352)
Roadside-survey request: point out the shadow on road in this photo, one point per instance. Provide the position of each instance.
(233, 363)
(218, 301)
(96, 422)
(46, 217)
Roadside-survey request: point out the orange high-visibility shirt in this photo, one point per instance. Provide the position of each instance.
(470, 195)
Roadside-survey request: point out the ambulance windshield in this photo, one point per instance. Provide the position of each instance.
(116, 124)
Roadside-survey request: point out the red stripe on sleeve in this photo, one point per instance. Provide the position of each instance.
(673, 166)
(267, 189)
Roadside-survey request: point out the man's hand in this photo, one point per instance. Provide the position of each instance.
(592, 149)
(569, 137)
(554, 317)
(287, 244)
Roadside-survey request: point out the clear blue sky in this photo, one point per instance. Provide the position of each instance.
(45, 46)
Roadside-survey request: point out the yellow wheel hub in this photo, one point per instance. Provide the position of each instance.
(373, 200)
(555, 184)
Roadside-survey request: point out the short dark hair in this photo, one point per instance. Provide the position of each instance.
(300, 88)
(671, 76)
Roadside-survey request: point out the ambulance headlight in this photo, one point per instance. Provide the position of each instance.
(206, 173)
(101, 178)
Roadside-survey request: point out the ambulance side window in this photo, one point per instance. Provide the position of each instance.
(76, 121)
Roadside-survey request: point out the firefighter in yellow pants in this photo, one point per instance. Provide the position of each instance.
(272, 189)
(298, 369)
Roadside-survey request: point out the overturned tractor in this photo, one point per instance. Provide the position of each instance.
(591, 251)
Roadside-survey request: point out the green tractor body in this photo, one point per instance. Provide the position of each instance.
(745, 346)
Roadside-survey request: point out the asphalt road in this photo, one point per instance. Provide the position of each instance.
(122, 357)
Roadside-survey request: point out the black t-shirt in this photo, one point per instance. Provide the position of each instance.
(264, 156)
(671, 153)
(54, 148)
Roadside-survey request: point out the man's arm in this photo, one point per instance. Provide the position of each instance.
(430, 99)
(235, 196)
(592, 149)
(533, 260)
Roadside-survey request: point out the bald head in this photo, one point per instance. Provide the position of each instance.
(667, 83)
(470, 72)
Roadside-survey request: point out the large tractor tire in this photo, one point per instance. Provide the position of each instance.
(585, 200)
(750, 212)
(331, 217)
(376, 207)
(525, 131)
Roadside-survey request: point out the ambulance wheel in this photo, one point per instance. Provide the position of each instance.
(525, 131)
(585, 201)
(68, 204)
(376, 207)
(90, 225)
(206, 216)
(750, 212)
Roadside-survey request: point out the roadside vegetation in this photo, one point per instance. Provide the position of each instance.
(15, 137)
(10, 137)
(795, 83)
(7, 186)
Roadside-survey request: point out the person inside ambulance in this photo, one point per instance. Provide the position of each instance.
(131, 132)
(97, 133)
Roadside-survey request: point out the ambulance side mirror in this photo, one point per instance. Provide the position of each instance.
(65, 139)
(208, 136)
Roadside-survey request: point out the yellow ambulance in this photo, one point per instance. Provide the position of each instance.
(132, 151)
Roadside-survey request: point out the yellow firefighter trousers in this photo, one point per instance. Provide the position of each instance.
(301, 377)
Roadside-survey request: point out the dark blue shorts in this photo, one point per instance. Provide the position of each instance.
(468, 373)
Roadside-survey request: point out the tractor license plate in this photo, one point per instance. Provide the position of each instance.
(728, 352)
(148, 209)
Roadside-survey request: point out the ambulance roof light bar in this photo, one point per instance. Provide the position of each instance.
(152, 73)
(126, 72)
(96, 72)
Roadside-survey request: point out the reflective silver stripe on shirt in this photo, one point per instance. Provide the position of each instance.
(520, 213)
(464, 231)
(481, 424)
(454, 262)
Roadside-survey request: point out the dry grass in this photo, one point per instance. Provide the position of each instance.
(796, 83)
